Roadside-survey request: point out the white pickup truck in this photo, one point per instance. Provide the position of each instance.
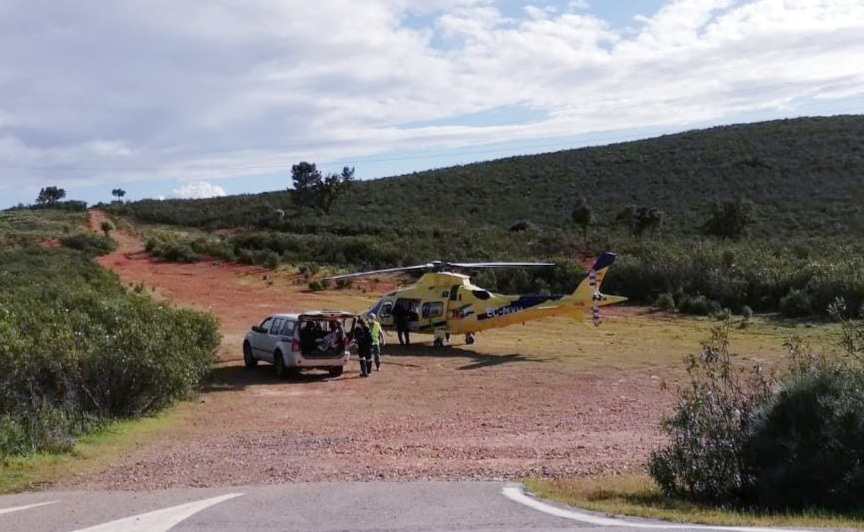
(319, 339)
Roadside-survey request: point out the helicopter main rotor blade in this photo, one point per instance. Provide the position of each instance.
(438, 266)
(385, 270)
(499, 264)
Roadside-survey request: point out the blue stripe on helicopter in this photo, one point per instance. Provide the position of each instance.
(524, 302)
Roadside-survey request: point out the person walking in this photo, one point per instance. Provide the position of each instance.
(377, 340)
(400, 319)
(363, 338)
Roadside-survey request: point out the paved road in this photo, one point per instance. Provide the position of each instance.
(324, 507)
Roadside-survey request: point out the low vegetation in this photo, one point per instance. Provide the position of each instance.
(790, 440)
(79, 350)
(638, 495)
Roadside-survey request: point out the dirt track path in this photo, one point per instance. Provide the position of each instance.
(507, 407)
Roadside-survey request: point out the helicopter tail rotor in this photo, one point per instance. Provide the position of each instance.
(589, 289)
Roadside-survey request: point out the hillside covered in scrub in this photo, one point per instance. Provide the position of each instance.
(764, 217)
(805, 177)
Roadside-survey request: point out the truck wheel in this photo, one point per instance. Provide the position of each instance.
(248, 359)
(279, 365)
(438, 343)
(469, 338)
(335, 371)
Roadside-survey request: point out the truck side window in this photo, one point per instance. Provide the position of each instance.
(277, 326)
(288, 328)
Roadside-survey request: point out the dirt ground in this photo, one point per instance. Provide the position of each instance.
(532, 400)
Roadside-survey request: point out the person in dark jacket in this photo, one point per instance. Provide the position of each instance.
(363, 338)
(400, 319)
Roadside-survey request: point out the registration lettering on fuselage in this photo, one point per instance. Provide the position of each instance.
(503, 311)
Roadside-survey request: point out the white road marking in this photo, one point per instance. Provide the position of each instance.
(19, 508)
(515, 493)
(159, 520)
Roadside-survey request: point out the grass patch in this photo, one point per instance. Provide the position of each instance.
(92, 452)
(38, 225)
(639, 496)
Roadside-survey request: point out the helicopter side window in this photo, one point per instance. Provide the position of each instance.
(386, 310)
(453, 291)
(482, 295)
(433, 309)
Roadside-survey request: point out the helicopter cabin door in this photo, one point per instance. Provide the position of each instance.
(407, 309)
(433, 313)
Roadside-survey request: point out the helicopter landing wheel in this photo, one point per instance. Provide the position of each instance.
(469, 338)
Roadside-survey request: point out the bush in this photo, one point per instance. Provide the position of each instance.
(793, 442)
(665, 301)
(805, 448)
(698, 305)
(796, 304)
(77, 349)
(704, 461)
(522, 226)
(172, 249)
(90, 243)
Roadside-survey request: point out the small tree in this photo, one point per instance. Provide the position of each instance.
(640, 220)
(311, 189)
(583, 216)
(729, 219)
(50, 195)
(118, 193)
(107, 226)
(333, 186)
(306, 178)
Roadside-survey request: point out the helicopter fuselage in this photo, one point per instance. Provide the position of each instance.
(449, 302)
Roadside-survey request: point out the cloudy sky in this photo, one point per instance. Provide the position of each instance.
(191, 98)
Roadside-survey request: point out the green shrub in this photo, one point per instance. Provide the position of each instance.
(791, 442)
(665, 301)
(522, 226)
(172, 250)
(698, 305)
(90, 243)
(805, 447)
(704, 460)
(78, 349)
(796, 304)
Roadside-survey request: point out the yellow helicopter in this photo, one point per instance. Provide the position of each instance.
(443, 302)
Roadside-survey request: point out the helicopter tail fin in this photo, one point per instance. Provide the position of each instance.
(589, 289)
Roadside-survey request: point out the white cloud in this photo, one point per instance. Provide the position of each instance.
(197, 190)
(96, 92)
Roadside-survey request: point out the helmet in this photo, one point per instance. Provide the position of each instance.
(372, 316)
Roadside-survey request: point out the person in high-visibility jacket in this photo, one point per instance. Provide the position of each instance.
(377, 340)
